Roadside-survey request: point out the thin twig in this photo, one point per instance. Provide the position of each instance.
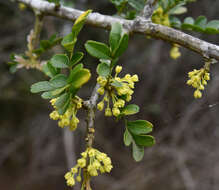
(148, 9)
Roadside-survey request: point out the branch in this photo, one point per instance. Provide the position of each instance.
(148, 9)
(90, 105)
(140, 25)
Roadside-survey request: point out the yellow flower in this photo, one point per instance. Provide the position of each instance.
(78, 178)
(101, 90)
(71, 182)
(54, 115)
(74, 170)
(115, 88)
(118, 69)
(69, 117)
(174, 52)
(197, 94)
(116, 111)
(94, 161)
(100, 105)
(198, 79)
(22, 6)
(108, 112)
(81, 162)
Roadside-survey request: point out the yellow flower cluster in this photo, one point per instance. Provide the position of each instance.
(93, 160)
(198, 79)
(174, 52)
(69, 117)
(159, 17)
(116, 89)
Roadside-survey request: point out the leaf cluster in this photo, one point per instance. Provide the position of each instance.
(128, 8)
(62, 86)
(108, 54)
(136, 134)
(200, 24)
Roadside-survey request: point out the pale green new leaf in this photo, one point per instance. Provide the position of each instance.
(130, 109)
(115, 35)
(127, 138)
(137, 152)
(41, 86)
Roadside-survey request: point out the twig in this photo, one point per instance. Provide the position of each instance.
(148, 9)
(90, 106)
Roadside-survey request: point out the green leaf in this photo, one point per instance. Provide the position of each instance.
(13, 68)
(73, 71)
(62, 103)
(144, 140)
(188, 23)
(79, 23)
(139, 127)
(175, 22)
(130, 109)
(97, 49)
(48, 95)
(80, 78)
(212, 27)
(41, 86)
(60, 61)
(116, 83)
(136, 4)
(201, 21)
(68, 42)
(127, 138)
(76, 58)
(49, 70)
(122, 45)
(103, 69)
(58, 91)
(58, 81)
(45, 44)
(137, 152)
(115, 35)
(178, 10)
(213, 24)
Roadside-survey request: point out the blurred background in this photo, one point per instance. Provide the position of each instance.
(35, 153)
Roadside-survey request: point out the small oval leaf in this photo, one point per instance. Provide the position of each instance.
(144, 140)
(139, 127)
(80, 78)
(41, 86)
(115, 35)
(76, 58)
(103, 69)
(127, 138)
(97, 49)
(59, 81)
(130, 109)
(60, 61)
(122, 45)
(137, 152)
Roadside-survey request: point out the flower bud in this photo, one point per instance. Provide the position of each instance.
(118, 69)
